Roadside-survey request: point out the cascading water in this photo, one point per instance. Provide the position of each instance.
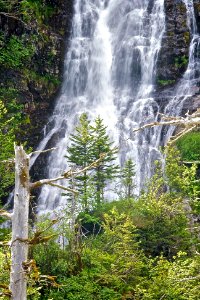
(110, 71)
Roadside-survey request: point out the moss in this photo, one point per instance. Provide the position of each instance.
(181, 7)
(187, 37)
(170, 33)
(164, 82)
(181, 61)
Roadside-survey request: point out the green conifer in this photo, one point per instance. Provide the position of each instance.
(108, 169)
(128, 176)
(79, 155)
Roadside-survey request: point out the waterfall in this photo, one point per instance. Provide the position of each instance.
(110, 70)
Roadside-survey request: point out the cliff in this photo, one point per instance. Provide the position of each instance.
(32, 44)
(173, 57)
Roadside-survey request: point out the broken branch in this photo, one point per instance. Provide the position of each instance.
(4, 213)
(66, 175)
(42, 151)
(189, 122)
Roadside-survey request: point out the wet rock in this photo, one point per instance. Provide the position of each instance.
(173, 57)
(37, 82)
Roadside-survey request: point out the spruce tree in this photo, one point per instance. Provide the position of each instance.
(108, 169)
(128, 176)
(79, 155)
(87, 144)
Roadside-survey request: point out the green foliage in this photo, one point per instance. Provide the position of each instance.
(4, 271)
(49, 256)
(189, 146)
(181, 61)
(173, 280)
(7, 138)
(127, 179)
(15, 52)
(87, 145)
(7, 5)
(82, 287)
(107, 169)
(111, 263)
(30, 10)
(79, 154)
(165, 82)
(10, 117)
(179, 177)
(161, 222)
(35, 9)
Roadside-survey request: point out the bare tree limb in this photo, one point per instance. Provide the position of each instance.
(15, 18)
(4, 213)
(4, 244)
(173, 139)
(184, 122)
(63, 188)
(42, 151)
(66, 174)
(8, 161)
(189, 123)
(192, 162)
(189, 278)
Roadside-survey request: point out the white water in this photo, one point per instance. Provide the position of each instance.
(110, 71)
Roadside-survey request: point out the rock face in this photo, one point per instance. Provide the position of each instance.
(32, 40)
(173, 57)
(197, 13)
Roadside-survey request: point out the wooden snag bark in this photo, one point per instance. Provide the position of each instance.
(19, 246)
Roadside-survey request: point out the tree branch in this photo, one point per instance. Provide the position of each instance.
(67, 174)
(174, 122)
(192, 162)
(189, 278)
(4, 213)
(42, 151)
(64, 188)
(9, 161)
(174, 138)
(15, 18)
(189, 122)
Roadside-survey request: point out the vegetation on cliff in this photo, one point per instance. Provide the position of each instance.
(32, 43)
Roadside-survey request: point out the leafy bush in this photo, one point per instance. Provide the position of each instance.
(82, 287)
(189, 146)
(171, 280)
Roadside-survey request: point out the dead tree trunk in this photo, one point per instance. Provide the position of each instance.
(19, 246)
(19, 217)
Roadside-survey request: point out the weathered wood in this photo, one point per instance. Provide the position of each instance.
(66, 175)
(20, 241)
(19, 249)
(4, 213)
(187, 123)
